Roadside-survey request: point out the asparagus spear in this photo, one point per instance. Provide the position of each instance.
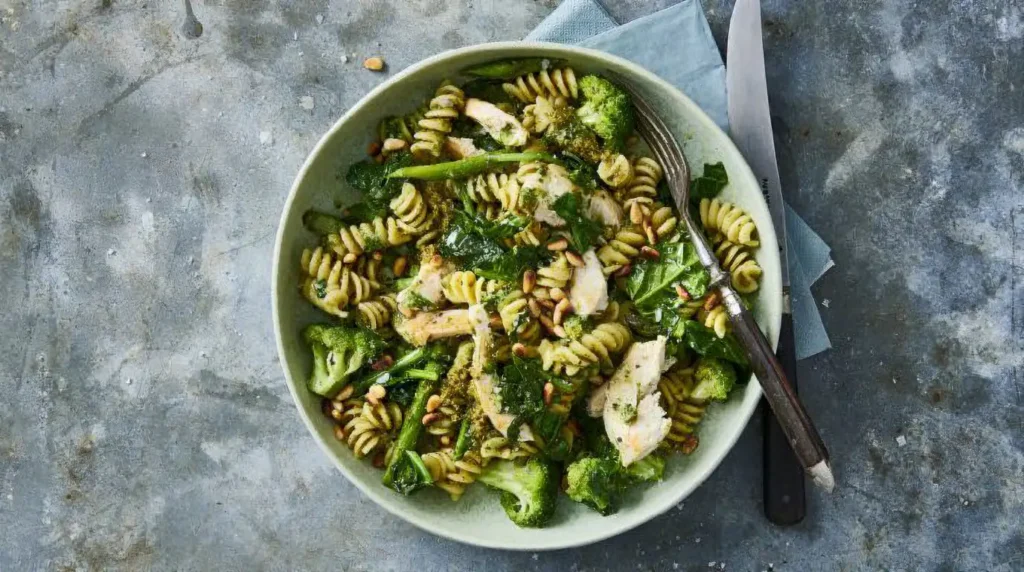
(468, 167)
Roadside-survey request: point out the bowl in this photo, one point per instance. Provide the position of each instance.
(478, 518)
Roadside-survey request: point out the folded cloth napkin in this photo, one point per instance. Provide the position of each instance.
(676, 44)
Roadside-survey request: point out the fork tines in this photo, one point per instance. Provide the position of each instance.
(660, 139)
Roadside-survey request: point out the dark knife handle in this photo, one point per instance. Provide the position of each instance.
(784, 494)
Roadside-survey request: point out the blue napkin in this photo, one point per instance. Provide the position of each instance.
(676, 44)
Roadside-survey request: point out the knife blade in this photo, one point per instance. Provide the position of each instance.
(751, 129)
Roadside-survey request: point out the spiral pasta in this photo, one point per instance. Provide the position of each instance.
(663, 221)
(555, 275)
(445, 107)
(542, 113)
(499, 447)
(411, 210)
(621, 249)
(453, 476)
(374, 428)
(728, 220)
(745, 271)
(465, 287)
(375, 314)
(368, 236)
(716, 318)
(643, 187)
(533, 235)
(559, 82)
(515, 317)
(684, 412)
(615, 170)
(594, 347)
(331, 286)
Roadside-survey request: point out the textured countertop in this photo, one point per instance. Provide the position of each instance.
(144, 422)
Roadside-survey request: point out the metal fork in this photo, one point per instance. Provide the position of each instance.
(792, 416)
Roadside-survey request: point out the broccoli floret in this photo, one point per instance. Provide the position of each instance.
(649, 469)
(596, 482)
(529, 491)
(607, 110)
(714, 379)
(338, 352)
(575, 326)
(568, 133)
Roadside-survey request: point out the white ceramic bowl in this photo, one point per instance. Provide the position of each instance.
(477, 518)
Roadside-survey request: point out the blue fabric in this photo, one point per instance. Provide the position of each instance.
(676, 44)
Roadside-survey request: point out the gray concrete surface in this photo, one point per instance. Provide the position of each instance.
(144, 423)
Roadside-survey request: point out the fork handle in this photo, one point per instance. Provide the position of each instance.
(793, 418)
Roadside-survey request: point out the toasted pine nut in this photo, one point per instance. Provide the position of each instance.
(373, 149)
(374, 64)
(547, 323)
(529, 281)
(336, 414)
(349, 258)
(626, 270)
(519, 349)
(558, 331)
(711, 301)
(534, 307)
(433, 402)
(557, 294)
(558, 245)
(549, 391)
(376, 392)
(652, 237)
(430, 418)
(339, 433)
(494, 321)
(547, 303)
(391, 144)
(560, 310)
(574, 259)
(650, 253)
(446, 440)
(682, 293)
(399, 266)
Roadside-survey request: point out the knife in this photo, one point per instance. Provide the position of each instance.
(751, 129)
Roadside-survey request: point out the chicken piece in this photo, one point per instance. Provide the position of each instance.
(460, 147)
(425, 292)
(633, 419)
(603, 208)
(589, 292)
(484, 383)
(503, 127)
(550, 183)
(428, 326)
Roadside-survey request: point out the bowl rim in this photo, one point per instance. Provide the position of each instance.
(377, 493)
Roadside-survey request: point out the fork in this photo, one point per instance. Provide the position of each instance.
(792, 416)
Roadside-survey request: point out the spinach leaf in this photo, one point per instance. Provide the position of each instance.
(709, 184)
(371, 179)
(522, 394)
(705, 342)
(581, 173)
(653, 280)
(474, 242)
(583, 232)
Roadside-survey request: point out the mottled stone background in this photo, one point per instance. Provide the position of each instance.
(144, 422)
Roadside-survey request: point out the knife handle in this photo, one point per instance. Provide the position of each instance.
(784, 495)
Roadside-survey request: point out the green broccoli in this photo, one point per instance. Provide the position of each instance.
(714, 378)
(569, 133)
(649, 469)
(338, 352)
(607, 110)
(529, 491)
(576, 326)
(597, 482)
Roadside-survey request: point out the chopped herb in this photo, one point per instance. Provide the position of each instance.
(321, 288)
(583, 232)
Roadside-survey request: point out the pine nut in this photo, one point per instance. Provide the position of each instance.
(558, 245)
(373, 149)
(399, 266)
(636, 214)
(430, 418)
(558, 331)
(433, 402)
(339, 433)
(711, 301)
(561, 309)
(549, 391)
(374, 64)
(529, 281)
(652, 237)
(626, 270)
(682, 293)
(391, 144)
(378, 256)
(574, 259)
(446, 440)
(534, 307)
(547, 303)
(547, 323)
(519, 349)
(557, 294)
(376, 393)
(649, 253)
(344, 394)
